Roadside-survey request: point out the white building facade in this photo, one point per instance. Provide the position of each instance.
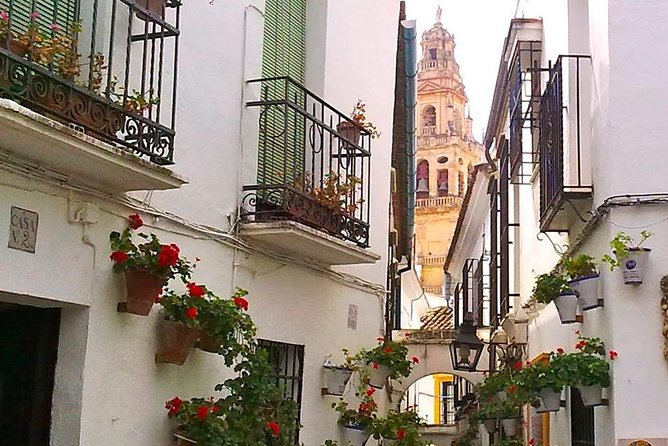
(64, 190)
(570, 165)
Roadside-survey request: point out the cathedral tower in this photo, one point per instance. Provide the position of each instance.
(446, 152)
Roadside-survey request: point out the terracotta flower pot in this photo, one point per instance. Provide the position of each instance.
(155, 7)
(336, 379)
(378, 377)
(143, 288)
(350, 131)
(355, 435)
(15, 47)
(567, 306)
(633, 265)
(591, 395)
(586, 288)
(208, 343)
(175, 342)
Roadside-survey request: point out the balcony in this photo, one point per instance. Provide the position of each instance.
(563, 145)
(438, 203)
(312, 190)
(96, 85)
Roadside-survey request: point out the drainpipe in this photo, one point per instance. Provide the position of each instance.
(409, 37)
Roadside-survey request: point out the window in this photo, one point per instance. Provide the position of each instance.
(582, 421)
(446, 397)
(429, 116)
(422, 186)
(288, 363)
(433, 53)
(462, 183)
(443, 183)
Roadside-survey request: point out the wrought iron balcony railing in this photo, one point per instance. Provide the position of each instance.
(563, 144)
(107, 66)
(314, 163)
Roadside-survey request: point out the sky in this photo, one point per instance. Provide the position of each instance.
(479, 27)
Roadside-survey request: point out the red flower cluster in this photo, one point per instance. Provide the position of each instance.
(374, 365)
(168, 256)
(240, 302)
(560, 351)
(191, 312)
(517, 365)
(370, 391)
(580, 345)
(401, 433)
(274, 428)
(613, 354)
(387, 349)
(173, 406)
(195, 290)
(202, 412)
(119, 256)
(416, 360)
(512, 388)
(135, 221)
(380, 339)
(366, 407)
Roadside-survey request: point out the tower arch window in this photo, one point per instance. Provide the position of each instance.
(442, 182)
(422, 177)
(429, 116)
(433, 53)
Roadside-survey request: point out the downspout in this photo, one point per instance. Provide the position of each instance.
(409, 37)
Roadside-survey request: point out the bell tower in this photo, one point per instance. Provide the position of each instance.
(446, 152)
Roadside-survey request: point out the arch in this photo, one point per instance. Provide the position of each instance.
(429, 116)
(443, 183)
(422, 180)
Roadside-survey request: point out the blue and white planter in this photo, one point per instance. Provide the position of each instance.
(633, 265)
(586, 288)
(567, 307)
(355, 435)
(336, 378)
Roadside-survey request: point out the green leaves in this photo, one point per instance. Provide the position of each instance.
(621, 244)
(548, 287)
(579, 266)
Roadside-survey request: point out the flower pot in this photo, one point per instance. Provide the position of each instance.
(180, 440)
(500, 395)
(175, 342)
(143, 288)
(208, 343)
(336, 379)
(510, 426)
(633, 265)
(155, 7)
(550, 400)
(567, 306)
(586, 288)
(591, 395)
(350, 131)
(355, 435)
(15, 47)
(378, 377)
(389, 441)
(490, 425)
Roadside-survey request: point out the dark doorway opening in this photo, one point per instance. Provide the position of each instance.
(28, 352)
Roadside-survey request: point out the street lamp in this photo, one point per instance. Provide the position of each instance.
(467, 347)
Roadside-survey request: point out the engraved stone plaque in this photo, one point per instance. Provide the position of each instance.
(352, 317)
(23, 229)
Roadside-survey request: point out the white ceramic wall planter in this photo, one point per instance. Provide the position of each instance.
(633, 265)
(378, 377)
(586, 288)
(355, 435)
(550, 400)
(490, 425)
(336, 378)
(510, 426)
(567, 306)
(591, 395)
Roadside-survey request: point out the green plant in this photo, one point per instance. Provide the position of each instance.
(585, 367)
(497, 381)
(579, 266)
(402, 426)
(150, 256)
(391, 354)
(548, 287)
(358, 115)
(508, 408)
(336, 193)
(621, 245)
(364, 415)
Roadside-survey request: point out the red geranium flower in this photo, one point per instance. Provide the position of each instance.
(202, 412)
(191, 312)
(214, 409)
(274, 428)
(370, 391)
(158, 299)
(580, 345)
(240, 302)
(518, 365)
(560, 351)
(401, 433)
(380, 339)
(119, 256)
(532, 442)
(387, 349)
(168, 256)
(416, 360)
(512, 388)
(173, 406)
(135, 221)
(195, 290)
(374, 365)
(613, 354)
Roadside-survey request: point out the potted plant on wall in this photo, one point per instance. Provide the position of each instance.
(180, 327)
(352, 130)
(8, 41)
(583, 276)
(554, 288)
(585, 369)
(147, 266)
(631, 257)
(400, 428)
(358, 423)
(543, 383)
(336, 377)
(387, 360)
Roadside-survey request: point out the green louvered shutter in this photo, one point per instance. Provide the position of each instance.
(62, 12)
(282, 157)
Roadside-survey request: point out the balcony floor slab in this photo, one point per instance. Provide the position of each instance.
(296, 239)
(83, 159)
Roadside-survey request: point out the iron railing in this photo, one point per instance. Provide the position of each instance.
(108, 67)
(561, 153)
(314, 163)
